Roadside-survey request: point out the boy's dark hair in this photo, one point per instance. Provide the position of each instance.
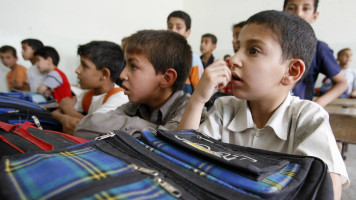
(182, 15)
(294, 34)
(48, 51)
(8, 48)
(342, 50)
(104, 54)
(240, 24)
(164, 49)
(213, 38)
(316, 2)
(33, 43)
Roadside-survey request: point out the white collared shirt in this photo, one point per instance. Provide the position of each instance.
(299, 127)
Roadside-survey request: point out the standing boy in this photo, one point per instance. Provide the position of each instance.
(323, 62)
(180, 22)
(262, 113)
(152, 83)
(34, 76)
(16, 77)
(101, 63)
(207, 46)
(55, 85)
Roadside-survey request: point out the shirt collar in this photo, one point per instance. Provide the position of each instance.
(160, 115)
(279, 121)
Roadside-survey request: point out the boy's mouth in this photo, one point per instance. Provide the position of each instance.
(236, 77)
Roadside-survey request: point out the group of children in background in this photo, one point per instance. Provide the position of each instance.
(155, 91)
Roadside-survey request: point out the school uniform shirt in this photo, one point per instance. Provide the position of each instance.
(323, 62)
(195, 74)
(18, 74)
(297, 127)
(133, 118)
(97, 104)
(35, 78)
(210, 61)
(57, 81)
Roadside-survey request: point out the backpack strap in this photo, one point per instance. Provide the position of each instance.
(112, 92)
(87, 100)
(89, 96)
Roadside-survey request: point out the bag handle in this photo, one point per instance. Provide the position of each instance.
(38, 142)
(7, 127)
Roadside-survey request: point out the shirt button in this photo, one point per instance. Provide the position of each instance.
(258, 133)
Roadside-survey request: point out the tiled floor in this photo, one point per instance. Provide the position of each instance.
(350, 193)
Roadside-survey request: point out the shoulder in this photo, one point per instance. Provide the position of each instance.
(196, 60)
(228, 105)
(300, 107)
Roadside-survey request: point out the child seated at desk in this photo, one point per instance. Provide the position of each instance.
(101, 63)
(55, 85)
(157, 65)
(262, 113)
(16, 77)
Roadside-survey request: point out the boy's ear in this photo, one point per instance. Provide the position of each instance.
(105, 74)
(315, 16)
(214, 46)
(187, 34)
(169, 78)
(295, 72)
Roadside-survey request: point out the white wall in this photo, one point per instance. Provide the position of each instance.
(64, 24)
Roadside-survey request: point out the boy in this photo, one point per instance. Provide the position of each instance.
(344, 58)
(152, 82)
(263, 114)
(180, 22)
(16, 78)
(34, 77)
(207, 46)
(324, 61)
(101, 63)
(236, 28)
(55, 85)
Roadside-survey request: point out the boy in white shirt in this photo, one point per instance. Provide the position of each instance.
(101, 63)
(275, 50)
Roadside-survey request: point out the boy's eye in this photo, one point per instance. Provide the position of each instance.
(253, 51)
(291, 8)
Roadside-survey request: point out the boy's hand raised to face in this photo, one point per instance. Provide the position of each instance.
(216, 76)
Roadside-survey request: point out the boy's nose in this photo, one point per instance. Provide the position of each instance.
(235, 60)
(123, 75)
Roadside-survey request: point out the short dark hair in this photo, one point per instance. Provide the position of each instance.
(227, 55)
(213, 38)
(33, 43)
(316, 2)
(164, 49)
(182, 15)
(240, 24)
(48, 51)
(342, 50)
(104, 54)
(294, 34)
(7, 48)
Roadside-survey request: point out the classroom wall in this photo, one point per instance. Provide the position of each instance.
(65, 24)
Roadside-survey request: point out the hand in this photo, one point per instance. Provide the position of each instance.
(216, 76)
(69, 124)
(67, 102)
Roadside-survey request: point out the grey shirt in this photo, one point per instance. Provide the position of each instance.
(133, 118)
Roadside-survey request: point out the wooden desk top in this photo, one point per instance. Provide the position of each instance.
(343, 123)
(343, 102)
(338, 110)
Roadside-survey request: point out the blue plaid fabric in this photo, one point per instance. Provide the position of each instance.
(43, 176)
(145, 189)
(271, 184)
